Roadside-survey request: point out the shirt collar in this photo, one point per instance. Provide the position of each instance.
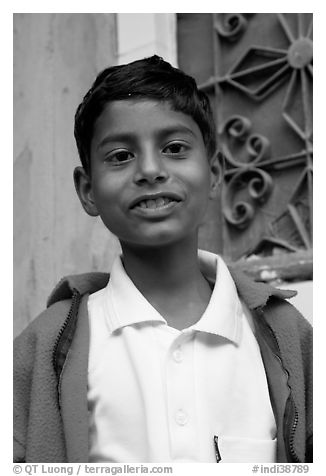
(125, 305)
(224, 311)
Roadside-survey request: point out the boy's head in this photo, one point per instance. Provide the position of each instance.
(146, 139)
(149, 78)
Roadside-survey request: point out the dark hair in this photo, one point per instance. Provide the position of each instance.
(151, 78)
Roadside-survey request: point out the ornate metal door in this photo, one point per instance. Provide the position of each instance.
(257, 70)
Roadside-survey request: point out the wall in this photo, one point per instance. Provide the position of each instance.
(155, 34)
(56, 57)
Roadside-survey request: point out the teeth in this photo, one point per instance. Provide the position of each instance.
(157, 203)
(151, 203)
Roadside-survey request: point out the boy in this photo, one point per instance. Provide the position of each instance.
(174, 357)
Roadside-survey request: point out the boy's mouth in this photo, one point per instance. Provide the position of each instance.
(155, 202)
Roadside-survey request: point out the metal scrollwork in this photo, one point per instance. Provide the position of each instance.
(274, 66)
(258, 147)
(237, 129)
(231, 26)
(257, 184)
(281, 73)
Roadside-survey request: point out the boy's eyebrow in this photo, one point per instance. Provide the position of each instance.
(161, 134)
(118, 137)
(175, 129)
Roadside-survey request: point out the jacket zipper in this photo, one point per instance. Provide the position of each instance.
(74, 300)
(290, 443)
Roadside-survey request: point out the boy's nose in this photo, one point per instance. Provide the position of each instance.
(150, 169)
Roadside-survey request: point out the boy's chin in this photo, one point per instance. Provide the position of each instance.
(157, 241)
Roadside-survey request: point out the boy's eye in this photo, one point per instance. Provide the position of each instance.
(118, 157)
(174, 148)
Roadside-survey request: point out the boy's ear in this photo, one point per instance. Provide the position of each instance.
(84, 191)
(217, 171)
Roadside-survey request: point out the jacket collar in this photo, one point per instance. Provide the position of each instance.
(254, 294)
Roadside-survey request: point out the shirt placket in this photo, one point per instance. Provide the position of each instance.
(180, 385)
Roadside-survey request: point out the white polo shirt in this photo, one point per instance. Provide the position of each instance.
(158, 394)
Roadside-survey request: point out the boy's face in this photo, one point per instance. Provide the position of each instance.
(150, 176)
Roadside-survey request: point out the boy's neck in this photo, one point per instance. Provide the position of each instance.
(170, 279)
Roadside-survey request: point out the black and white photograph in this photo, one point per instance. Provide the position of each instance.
(162, 241)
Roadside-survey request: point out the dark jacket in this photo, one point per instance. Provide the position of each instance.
(51, 359)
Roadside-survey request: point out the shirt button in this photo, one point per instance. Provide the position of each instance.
(181, 417)
(178, 355)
